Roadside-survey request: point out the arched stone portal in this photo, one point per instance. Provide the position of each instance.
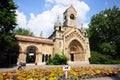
(76, 51)
(31, 54)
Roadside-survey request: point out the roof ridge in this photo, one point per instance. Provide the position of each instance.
(69, 8)
(34, 39)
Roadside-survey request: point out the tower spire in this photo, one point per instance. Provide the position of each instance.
(58, 18)
(58, 23)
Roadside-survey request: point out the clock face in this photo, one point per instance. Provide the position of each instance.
(72, 17)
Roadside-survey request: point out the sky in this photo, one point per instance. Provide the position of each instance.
(40, 15)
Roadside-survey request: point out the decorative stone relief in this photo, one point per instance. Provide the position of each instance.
(73, 34)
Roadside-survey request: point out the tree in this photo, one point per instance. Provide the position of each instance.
(98, 58)
(105, 28)
(22, 31)
(107, 49)
(7, 24)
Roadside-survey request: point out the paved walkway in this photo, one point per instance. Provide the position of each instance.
(106, 78)
(45, 66)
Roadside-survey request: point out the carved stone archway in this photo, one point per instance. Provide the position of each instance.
(76, 51)
(31, 52)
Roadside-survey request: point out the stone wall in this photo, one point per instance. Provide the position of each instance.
(45, 49)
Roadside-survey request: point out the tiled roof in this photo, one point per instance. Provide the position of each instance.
(33, 39)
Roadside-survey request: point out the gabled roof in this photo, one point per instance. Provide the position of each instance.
(70, 8)
(73, 29)
(34, 39)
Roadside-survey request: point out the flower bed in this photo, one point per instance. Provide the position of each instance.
(56, 73)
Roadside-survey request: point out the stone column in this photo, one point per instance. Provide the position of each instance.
(38, 55)
(83, 57)
(86, 59)
(40, 59)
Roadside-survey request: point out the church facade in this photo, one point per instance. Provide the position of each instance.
(67, 38)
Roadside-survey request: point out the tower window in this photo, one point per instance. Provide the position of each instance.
(59, 28)
(65, 18)
(72, 17)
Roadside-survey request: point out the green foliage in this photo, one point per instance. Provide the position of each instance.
(22, 31)
(7, 16)
(97, 58)
(7, 23)
(107, 49)
(103, 32)
(6, 41)
(57, 60)
(115, 61)
(104, 27)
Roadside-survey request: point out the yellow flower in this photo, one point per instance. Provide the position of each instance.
(19, 77)
(30, 79)
(42, 79)
(98, 71)
(35, 79)
(52, 78)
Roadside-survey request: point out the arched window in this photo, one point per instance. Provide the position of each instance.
(59, 28)
(65, 18)
(46, 58)
(72, 17)
(43, 58)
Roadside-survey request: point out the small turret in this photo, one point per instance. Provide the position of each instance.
(41, 34)
(83, 30)
(57, 25)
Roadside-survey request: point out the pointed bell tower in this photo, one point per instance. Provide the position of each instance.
(70, 17)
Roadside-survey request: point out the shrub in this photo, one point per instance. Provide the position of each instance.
(57, 60)
(115, 61)
(98, 58)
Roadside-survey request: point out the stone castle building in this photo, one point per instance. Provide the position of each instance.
(67, 38)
